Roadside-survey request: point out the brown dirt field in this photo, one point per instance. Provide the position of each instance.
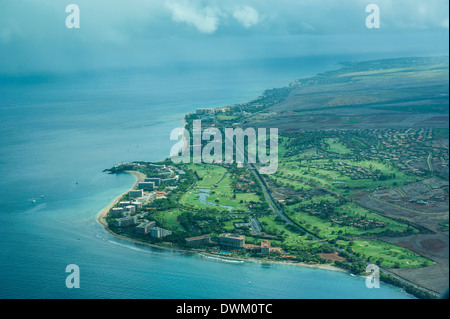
(434, 277)
(334, 256)
(433, 245)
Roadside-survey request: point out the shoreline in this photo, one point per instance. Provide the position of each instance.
(101, 218)
(273, 262)
(102, 214)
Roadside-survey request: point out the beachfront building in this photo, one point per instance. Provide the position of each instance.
(137, 206)
(149, 186)
(146, 199)
(169, 180)
(205, 111)
(265, 247)
(198, 241)
(117, 212)
(152, 196)
(156, 166)
(130, 209)
(232, 240)
(157, 232)
(155, 180)
(145, 227)
(126, 221)
(222, 109)
(136, 193)
(124, 204)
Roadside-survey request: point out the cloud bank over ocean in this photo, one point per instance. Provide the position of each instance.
(113, 33)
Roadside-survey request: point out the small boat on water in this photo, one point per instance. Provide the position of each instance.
(33, 201)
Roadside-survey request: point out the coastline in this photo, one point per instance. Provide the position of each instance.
(219, 257)
(274, 262)
(101, 218)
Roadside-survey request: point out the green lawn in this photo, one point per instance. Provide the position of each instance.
(209, 174)
(271, 226)
(389, 255)
(221, 193)
(335, 146)
(223, 117)
(169, 219)
(224, 193)
(294, 184)
(191, 200)
(297, 175)
(352, 208)
(329, 230)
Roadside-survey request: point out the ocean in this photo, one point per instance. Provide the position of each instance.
(60, 131)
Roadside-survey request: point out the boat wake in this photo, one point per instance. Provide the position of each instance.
(134, 248)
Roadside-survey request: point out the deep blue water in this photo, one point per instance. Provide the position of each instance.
(60, 131)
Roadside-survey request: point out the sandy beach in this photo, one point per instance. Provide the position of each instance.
(140, 177)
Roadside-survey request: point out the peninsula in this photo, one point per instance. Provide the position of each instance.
(362, 179)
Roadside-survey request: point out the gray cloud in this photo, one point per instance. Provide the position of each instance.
(117, 33)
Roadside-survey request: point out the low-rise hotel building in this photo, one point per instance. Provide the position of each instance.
(149, 186)
(136, 193)
(125, 221)
(232, 240)
(137, 206)
(124, 204)
(265, 247)
(117, 212)
(145, 227)
(131, 209)
(146, 199)
(157, 232)
(198, 241)
(155, 180)
(205, 111)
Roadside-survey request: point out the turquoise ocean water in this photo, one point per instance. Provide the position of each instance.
(60, 131)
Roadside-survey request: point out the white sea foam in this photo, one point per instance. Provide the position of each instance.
(222, 259)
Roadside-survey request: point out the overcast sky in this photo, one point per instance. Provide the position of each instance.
(114, 33)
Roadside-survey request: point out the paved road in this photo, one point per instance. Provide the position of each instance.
(254, 170)
(268, 197)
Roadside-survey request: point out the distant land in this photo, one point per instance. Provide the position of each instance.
(394, 93)
(363, 178)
